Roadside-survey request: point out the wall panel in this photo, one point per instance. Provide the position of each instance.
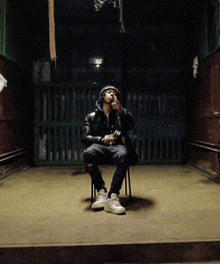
(204, 125)
(16, 116)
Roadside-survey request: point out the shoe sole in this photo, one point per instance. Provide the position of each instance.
(97, 206)
(108, 210)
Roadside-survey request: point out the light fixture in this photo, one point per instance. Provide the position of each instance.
(96, 61)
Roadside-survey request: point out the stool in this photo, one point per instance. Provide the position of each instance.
(127, 187)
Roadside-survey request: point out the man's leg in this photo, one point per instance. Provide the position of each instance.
(120, 158)
(91, 157)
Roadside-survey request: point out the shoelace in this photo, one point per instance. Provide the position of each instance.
(100, 196)
(116, 201)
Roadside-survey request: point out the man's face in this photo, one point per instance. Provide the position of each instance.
(109, 96)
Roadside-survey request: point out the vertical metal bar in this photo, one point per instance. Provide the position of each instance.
(129, 183)
(80, 104)
(54, 143)
(160, 143)
(148, 143)
(70, 143)
(36, 127)
(60, 142)
(49, 101)
(63, 118)
(61, 106)
(65, 141)
(74, 105)
(67, 109)
(55, 110)
(45, 105)
(85, 104)
(49, 144)
(55, 106)
(71, 104)
(48, 118)
(73, 142)
(126, 189)
(78, 143)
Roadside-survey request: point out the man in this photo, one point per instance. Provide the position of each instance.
(105, 134)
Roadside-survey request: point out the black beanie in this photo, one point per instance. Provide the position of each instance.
(109, 87)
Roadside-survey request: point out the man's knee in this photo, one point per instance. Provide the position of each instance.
(88, 157)
(123, 157)
(123, 154)
(89, 167)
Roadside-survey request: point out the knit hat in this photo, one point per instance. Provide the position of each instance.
(109, 87)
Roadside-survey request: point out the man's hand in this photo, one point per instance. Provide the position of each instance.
(109, 138)
(116, 105)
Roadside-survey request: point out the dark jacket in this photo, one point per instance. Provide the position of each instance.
(97, 125)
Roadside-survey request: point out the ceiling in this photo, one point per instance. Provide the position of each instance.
(134, 11)
(78, 17)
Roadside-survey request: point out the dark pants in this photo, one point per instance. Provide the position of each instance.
(98, 154)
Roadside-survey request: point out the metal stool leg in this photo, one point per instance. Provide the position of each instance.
(93, 191)
(126, 189)
(128, 184)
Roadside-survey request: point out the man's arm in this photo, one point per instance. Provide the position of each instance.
(127, 120)
(87, 131)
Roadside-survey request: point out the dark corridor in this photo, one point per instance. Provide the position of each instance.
(151, 61)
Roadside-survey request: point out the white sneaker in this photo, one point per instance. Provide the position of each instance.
(112, 205)
(100, 200)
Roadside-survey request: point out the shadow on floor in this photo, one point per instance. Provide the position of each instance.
(136, 204)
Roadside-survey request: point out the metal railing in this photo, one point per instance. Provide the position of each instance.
(60, 111)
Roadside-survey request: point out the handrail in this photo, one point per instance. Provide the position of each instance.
(204, 147)
(203, 143)
(12, 154)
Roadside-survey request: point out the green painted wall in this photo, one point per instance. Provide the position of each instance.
(17, 30)
(208, 28)
(2, 26)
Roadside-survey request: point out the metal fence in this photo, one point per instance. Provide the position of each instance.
(60, 111)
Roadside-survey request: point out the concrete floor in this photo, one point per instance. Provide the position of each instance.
(50, 206)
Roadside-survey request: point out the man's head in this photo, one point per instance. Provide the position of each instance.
(108, 88)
